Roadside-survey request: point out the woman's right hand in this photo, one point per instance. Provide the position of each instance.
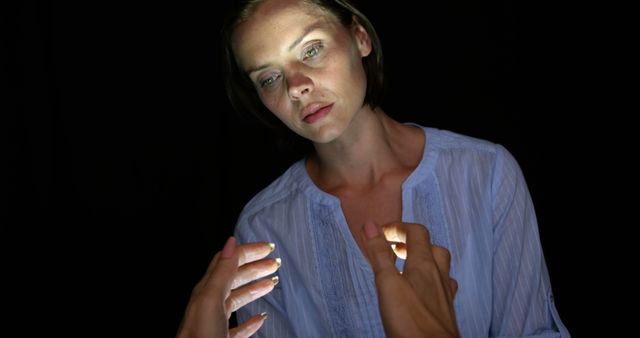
(419, 301)
(226, 287)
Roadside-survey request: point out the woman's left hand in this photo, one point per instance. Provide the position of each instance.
(225, 288)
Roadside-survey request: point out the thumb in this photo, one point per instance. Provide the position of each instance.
(224, 266)
(377, 249)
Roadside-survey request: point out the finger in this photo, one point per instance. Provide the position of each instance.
(228, 249)
(395, 232)
(378, 250)
(255, 270)
(223, 266)
(249, 327)
(442, 257)
(252, 252)
(248, 293)
(400, 249)
(396, 235)
(420, 265)
(454, 286)
(443, 260)
(418, 244)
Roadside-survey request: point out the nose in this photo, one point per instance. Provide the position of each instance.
(299, 85)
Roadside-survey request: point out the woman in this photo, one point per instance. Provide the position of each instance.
(316, 67)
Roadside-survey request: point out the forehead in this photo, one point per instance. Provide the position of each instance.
(274, 25)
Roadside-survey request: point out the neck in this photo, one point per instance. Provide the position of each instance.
(373, 146)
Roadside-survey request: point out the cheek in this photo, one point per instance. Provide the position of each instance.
(352, 70)
(268, 101)
(342, 74)
(353, 78)
(276, 105)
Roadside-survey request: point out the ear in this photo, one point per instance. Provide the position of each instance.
(363, 40)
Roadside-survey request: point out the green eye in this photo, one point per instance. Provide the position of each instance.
(269, 81)
(312, 51)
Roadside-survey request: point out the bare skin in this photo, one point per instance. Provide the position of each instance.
(225, 288)
(418, 302)
(369, 187)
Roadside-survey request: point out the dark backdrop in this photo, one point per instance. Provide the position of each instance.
(128, 167)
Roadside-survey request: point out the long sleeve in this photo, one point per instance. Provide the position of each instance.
(522, 298)
(472, 197)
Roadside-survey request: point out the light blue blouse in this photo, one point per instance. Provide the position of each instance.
(472, 197)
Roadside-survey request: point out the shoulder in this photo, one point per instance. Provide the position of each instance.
(280, 191)
(469, 154)
(446, 140)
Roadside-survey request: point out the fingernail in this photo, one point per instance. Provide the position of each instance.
(370, 230)
(275, 280)
(278, 261)
(264, 315)
(272, 246)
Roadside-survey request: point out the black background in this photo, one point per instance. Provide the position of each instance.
(128, 167)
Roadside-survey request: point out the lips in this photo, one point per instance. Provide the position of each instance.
(315, 111)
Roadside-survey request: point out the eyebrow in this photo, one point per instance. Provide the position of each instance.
(310, 28)
(306, 32)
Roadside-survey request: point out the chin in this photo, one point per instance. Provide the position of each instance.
(326, 134)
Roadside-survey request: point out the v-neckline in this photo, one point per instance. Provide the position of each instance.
(417, 175)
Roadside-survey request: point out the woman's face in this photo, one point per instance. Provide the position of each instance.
(305, 65)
